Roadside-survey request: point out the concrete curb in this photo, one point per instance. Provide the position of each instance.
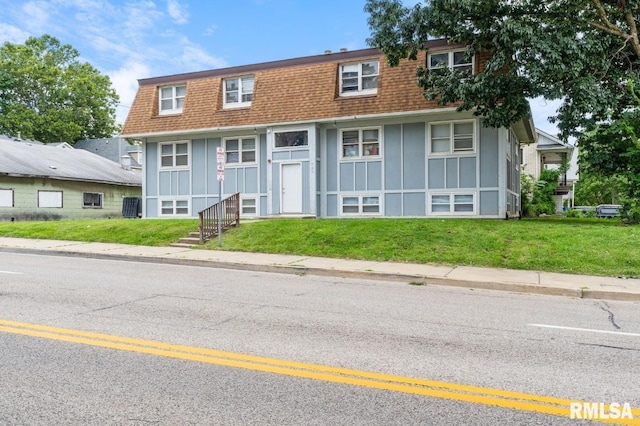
(581, 293)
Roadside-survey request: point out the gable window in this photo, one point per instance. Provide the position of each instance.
(50, 199)
(359, 78)
(240, 150)
(174, 154)
(172, 99)
(238, 92)
(360, 143)
(6, 197)
(295, 138)
(92, 200)
(452, 204)
(174, 207)
(456, 60)
(453, 137)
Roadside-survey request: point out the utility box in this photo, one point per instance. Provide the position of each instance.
(132, 207)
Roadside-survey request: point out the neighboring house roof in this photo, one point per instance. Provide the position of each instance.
(292, 91)
(547, 142)
(63, 162)
(110, 148)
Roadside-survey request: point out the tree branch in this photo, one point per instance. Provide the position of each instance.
(633, 30)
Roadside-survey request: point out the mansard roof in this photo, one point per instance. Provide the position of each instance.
(288, 91)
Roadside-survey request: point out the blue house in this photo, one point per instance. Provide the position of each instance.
(334, 135)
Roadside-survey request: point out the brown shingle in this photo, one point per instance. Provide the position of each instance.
(285, 91)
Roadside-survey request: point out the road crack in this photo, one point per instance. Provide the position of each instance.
(605, 307)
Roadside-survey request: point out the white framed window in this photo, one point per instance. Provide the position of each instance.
(452, 137)
(455, 60)
(360, 143)
(50, 199)
(240, 150)
(6, 197)
(359, 78)
(248, 206)
(174, 154)
(92, 200)
(291, 138)
(361, 205)
(172, 99)
(238, 91)
(174, 207)
(452, 204)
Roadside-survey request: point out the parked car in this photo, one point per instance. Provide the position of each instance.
(608, 210)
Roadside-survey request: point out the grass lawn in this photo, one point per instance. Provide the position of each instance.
(581, 246)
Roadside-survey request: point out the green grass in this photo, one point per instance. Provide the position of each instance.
(581, 246)
(123, 231)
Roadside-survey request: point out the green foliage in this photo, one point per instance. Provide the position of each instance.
(47, 94)
(592, 190)
(537, 196)
(584, 53)
(611, 153)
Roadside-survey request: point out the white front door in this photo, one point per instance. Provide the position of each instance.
(291, 188)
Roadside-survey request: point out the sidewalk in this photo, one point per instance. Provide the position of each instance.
(580, 286)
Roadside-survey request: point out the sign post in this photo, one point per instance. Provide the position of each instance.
(220, 173)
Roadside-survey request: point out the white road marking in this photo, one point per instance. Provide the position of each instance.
(10, 272)
(560, 327)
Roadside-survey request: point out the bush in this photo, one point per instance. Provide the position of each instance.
(537, 197)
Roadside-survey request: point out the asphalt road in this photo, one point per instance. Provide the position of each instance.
(298, 350)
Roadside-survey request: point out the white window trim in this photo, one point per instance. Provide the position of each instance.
(361, 142)
(174, 99)
(239, 104)
(7, 197)
(360, 90)
(174, 207)
(281, 148)
(452, 203)
(450, 54)
(360, 197)
(452, 150)
(239, 139)
(173, 166)
(255, 206)
(101, 194)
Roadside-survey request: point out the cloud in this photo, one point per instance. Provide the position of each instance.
(125, 83)
(195, 58)
(541, 109)
(210, 30)
(177, 12)
(11, 34)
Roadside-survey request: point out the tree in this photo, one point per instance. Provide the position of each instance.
(582, 52)
(611, 152)
(47, 94)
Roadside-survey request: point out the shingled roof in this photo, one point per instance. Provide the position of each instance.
(289, 91)
(62, 162)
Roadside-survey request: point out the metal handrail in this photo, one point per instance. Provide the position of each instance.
(208, 218)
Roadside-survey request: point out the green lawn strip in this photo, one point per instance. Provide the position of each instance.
(576, 245)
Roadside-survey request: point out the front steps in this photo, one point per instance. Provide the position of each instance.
(193, 239)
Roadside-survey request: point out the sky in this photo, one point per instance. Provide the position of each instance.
(135, 39)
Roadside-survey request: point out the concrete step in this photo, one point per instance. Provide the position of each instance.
(183, 245)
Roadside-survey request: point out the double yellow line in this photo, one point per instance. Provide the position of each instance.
(431, 388)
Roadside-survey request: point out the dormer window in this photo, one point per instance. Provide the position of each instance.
(172, 99)
(238, 92)
(359, 78)
(454, 60)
